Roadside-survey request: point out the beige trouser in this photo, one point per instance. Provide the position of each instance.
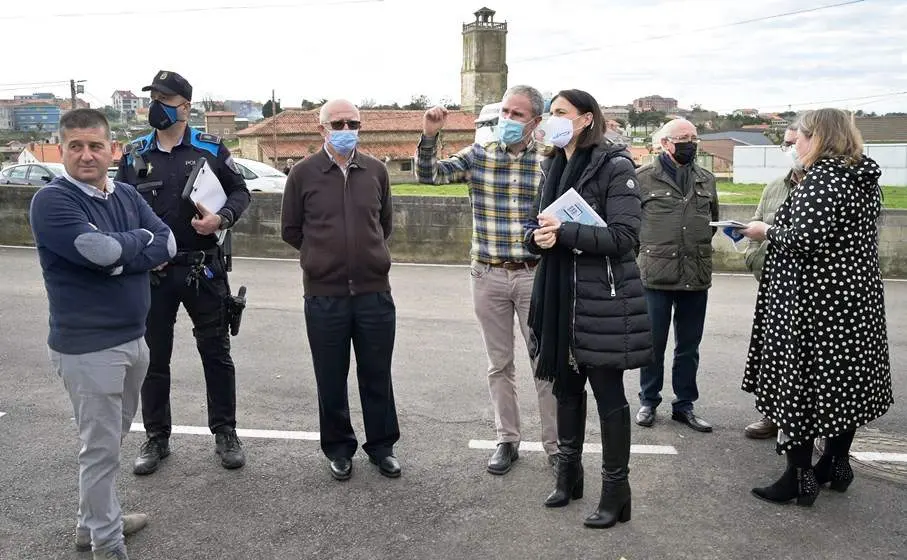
(497, 293)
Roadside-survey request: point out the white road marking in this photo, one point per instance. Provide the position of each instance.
(879, 457)
(590, 447)
(427, 265)
(241, 432)
(2, 414)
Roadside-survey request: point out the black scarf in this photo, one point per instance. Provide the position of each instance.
(552, 291)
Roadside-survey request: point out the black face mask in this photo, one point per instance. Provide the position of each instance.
(684, 152)
(161, 116)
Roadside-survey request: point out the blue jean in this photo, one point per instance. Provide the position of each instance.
(689, 320)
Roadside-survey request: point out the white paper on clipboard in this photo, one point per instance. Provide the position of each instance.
(207, 190)
(571, 207)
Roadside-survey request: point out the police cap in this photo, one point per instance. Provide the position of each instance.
(170, 83)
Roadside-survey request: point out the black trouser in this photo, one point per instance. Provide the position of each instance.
(206, 307)
(607, 386)
(369, 322)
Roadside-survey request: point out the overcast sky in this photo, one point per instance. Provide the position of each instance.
(389, 50)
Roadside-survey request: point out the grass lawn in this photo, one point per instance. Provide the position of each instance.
(728, 193)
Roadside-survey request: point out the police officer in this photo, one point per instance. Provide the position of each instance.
(159, 165)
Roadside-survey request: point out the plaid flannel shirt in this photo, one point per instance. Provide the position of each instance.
(502, 189)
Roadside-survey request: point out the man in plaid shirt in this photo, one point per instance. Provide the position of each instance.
(504, 177)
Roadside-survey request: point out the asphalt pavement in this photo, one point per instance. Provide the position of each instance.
(694, 504)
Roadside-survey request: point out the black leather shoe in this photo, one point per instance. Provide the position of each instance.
(761, 429)
(388, 466)
(228, 446)
(152, 452)
(341, 469)
(646, 416)
(504, 457)
(687, 417)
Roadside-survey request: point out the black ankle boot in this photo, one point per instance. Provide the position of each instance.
(614, 503)
(835, 470)
(571, 432)
(795, 484)
(569, 485)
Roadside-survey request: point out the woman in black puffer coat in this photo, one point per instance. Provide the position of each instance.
(588, 315)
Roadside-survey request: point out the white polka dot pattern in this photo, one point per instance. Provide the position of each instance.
(818, 361)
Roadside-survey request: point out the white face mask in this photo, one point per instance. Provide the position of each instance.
(796, 164)
(485, 134)
(556, 131)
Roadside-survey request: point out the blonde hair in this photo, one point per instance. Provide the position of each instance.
(833, 134)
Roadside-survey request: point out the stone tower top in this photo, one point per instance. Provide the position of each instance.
(483, 77)
(484, 20)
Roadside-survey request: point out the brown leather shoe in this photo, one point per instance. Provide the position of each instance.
(763, 429)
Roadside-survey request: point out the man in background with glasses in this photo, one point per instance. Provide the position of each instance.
(675, 261)
(773, 197)
(337, 212)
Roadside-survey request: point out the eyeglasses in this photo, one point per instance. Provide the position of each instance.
(786, 146)
(338, 125)
(683, 139)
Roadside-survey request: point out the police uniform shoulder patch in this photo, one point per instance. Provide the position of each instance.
(205, 137)
(631, 183)
(231, 165)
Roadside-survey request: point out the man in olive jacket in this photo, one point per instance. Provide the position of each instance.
(675, 261)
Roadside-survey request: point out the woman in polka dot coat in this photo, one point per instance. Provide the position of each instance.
(818, 362)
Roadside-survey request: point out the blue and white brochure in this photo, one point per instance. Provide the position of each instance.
(571, 207)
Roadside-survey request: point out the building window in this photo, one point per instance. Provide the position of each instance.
(406, 165)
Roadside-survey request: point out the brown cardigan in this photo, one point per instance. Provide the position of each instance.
(339, 224)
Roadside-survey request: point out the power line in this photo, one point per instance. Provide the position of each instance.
(688, 31)
(188, 10)
(36, 83)
(878, 97)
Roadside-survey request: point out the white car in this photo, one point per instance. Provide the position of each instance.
(260, 177)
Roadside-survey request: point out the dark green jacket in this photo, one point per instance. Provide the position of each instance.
(675, 242)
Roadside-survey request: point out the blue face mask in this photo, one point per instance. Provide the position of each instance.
(162, 116)
(344, 141)
(510, 131)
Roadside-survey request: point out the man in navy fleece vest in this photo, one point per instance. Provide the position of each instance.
(97, 240)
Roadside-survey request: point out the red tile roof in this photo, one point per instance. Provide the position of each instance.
(883, 129)
(381, 150)
(50, 153)
(306, 122)
(126, 94)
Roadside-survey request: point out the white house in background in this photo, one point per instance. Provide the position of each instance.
(125, 102)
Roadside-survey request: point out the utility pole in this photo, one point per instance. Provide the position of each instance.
(274, 123)
(73, 89)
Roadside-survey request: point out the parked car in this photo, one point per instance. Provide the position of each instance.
(260, 177)
(31, 174)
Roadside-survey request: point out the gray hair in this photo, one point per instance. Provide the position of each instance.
(794, 125)
(534, 96)
(670, 126)
(329, 106)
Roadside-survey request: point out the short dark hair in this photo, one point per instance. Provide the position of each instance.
(585, 103)
(84, 118)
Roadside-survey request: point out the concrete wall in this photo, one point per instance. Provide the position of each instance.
(433, 230)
